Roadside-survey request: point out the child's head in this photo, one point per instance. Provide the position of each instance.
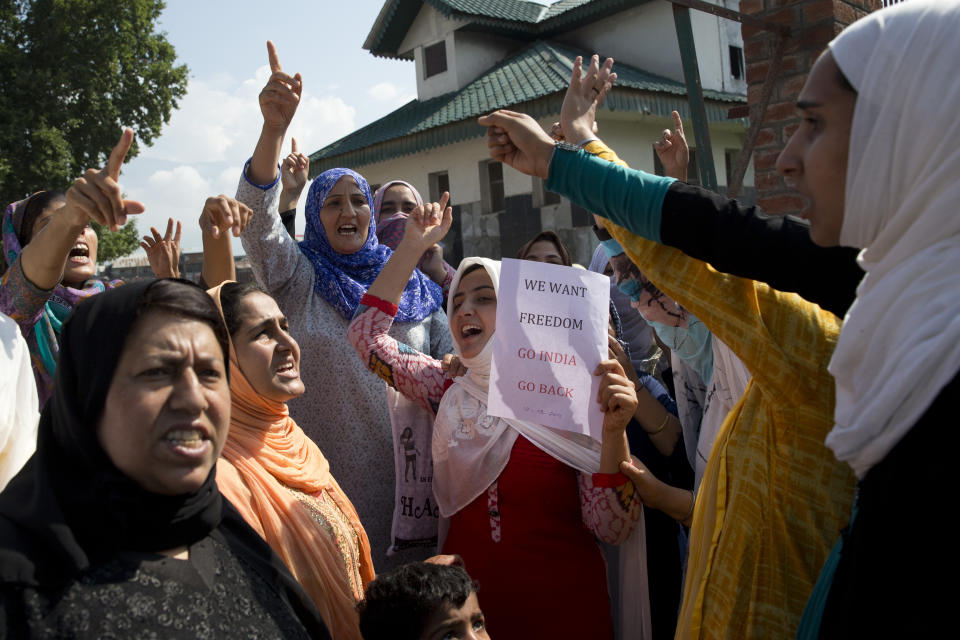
(422, 601)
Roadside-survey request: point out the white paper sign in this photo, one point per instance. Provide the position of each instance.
(551, 335)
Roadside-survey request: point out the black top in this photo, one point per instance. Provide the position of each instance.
(895, 578)
(77, 536)
(745, 242)
(214, 594)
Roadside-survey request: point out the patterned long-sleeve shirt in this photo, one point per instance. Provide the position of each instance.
(609, 504)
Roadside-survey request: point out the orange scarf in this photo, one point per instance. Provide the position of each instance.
(265, 454)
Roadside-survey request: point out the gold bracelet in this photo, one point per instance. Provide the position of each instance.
(662, 426)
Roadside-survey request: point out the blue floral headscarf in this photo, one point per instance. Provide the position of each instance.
(342, 279)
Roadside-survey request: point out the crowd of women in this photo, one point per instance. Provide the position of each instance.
(182, 462)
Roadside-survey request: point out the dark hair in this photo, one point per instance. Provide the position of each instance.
(549, 236)
(35, 205)
(843, 82)
(231, 295)
(184, 299)
(398, 603)
(471, 269)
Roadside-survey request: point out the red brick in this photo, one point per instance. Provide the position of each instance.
(786, 15)
(783, 203)
(765, 160)
(766, 136)
(757, 71)
(780, 111)
(768, 180)
(818, 10)
(757, 49)
(751, 6)
(816, 37)
(789, 130)
(790, 88)
(844, 13)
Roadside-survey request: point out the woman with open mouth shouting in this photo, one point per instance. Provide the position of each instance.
(49, 259)
(317, 284)
(525, 503)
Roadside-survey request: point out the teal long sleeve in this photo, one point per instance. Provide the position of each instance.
(632, 199)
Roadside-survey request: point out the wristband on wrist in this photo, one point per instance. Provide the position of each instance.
(262, 187)
(693, 503)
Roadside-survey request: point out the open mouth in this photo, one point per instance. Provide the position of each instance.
(186, 438)
(79, 254)
(287, 370)
(347, 230)
(470, 330)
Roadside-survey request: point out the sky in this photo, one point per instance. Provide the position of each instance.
(201, 150)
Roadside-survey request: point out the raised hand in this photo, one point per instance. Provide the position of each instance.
(221, 214)
(97, 196)
(673, 151)
(295, 169)
(163, 252)
(428, 224)
(584, 95)
(281, 95)
(517, 140)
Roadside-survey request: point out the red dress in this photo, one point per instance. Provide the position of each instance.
(529, 541)
(545, 577)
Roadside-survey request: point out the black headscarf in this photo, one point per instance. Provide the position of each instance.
(70, 505)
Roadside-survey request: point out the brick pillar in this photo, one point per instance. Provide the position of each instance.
(815, 23)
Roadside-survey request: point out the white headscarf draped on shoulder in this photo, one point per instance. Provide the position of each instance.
(471, 449)
(900, 343)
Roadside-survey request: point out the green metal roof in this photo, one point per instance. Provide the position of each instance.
(519, 18)
(533, 81)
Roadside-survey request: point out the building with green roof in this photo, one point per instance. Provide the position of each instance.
(472, 57)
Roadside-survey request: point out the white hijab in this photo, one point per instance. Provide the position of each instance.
(900, 343)
(19, 416)
(471, 449)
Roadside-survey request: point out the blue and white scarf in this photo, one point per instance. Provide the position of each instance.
(342, 279)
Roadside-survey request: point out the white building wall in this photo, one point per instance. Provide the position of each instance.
(646, 37)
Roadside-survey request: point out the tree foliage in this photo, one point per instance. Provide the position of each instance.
(116, 244)
(74, 72)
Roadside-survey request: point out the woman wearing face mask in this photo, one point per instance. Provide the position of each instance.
(115, 526)
(524, 501)
(274, 475)
(318, 284)
(392, 204)
(49, 260)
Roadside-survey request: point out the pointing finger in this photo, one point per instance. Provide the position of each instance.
(293, 145)
(274, 58)
(119, 153)
(677, 122)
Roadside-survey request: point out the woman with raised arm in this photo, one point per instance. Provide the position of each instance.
(772, 495)
(392, 204)
(49, 260)
(524, 501)
(318, 284)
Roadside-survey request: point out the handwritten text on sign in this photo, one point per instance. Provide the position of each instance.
(551, 334)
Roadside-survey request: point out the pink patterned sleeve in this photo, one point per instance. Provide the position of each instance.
(610, 505)
(414, 374)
